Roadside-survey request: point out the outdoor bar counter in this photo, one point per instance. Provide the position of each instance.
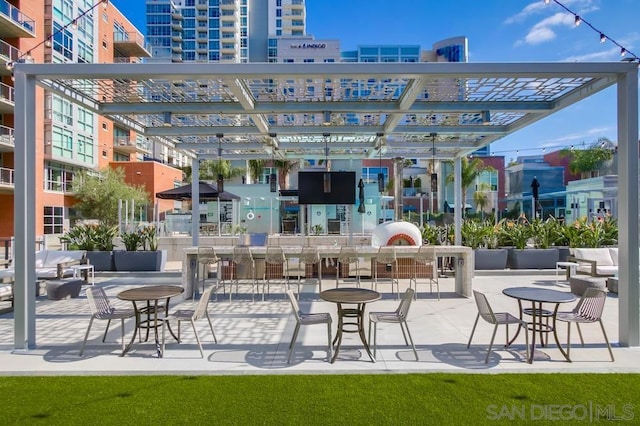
(463, 265)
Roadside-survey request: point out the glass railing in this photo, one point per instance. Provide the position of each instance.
(9, 52)
(6, 135)
(7, 93)
(13, 13)
(121, 37)
(6, 176)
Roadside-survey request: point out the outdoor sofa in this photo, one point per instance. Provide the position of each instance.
(597, 262)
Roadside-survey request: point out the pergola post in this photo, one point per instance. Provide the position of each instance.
(628, 296)
(24, 289)
(195, 201)
(458, 202)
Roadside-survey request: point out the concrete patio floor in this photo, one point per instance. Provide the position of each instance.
(253, 337)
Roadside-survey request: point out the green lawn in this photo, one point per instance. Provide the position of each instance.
(400, 399)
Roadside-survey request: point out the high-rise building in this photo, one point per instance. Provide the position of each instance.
(228, 31)
(69, 138)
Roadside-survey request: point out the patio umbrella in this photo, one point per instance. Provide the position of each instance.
(207, 191)
(361, 208)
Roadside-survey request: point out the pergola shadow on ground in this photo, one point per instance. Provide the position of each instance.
(253, 337)
(326, 111)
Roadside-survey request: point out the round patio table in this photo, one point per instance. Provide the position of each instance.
(538, 296)
(350, 296)
(151, 295)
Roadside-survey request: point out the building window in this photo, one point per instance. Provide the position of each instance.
(370, 174)
(105, 126)
(58, 177)
(62, 41)
(53, 220)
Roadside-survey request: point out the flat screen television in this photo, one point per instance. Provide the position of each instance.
(342, 188)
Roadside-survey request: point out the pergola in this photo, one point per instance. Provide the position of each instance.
(326, 110)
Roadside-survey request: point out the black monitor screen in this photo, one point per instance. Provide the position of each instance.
(340, 187)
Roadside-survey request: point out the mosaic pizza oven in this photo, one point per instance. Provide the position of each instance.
(396, 233)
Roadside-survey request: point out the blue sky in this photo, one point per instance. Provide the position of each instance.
(498, 31)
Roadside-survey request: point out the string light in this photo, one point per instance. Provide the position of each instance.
(47, 41)
(544, 149)
(632, 57)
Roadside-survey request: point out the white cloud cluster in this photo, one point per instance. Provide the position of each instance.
(543, 31)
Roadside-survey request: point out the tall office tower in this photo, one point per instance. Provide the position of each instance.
(228, 31)
(164, 31)
(69, 137)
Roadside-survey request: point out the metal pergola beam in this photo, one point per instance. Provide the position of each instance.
(478, 90)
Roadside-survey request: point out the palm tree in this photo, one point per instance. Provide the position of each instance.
(585, 162)
(256, 167)
(285, 167)
(471, 169)
(480, 197)
(210, 169)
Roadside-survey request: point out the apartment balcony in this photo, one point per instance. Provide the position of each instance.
(228, 27)
(130, 145)
(8, 53)
(14, 23)
(202, 4)
(7, 99)
(294, 5)
(7, 139)
(176, 36)
(292, 25)
(228, 5)
(176, 26)
(7, 183)
(228, 16)
(130, 44)
(228, 49)
(176, 58)
(177, 15)
(126, 60)
(177, 48)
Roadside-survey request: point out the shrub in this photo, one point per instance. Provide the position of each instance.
(132, 240)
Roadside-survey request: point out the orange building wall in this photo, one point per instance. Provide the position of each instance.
(35, 10)
(153, 176)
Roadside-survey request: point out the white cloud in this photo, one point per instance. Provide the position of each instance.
(530, 9)
(589, 133)
(539, 35)
(606, 55)
(543, 30)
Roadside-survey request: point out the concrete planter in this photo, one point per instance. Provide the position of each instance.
(139, 260)
(490, 259)
(532, 258)
(101, 260)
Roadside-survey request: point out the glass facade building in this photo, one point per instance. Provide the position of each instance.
(231, 31)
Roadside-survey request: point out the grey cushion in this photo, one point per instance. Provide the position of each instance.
(63, 289)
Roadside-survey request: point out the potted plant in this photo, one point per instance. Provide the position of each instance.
(317, 229)
(519, 233)
(482, 237)
(101, 257)
(96, 240)
(80, 237)
(141, 253)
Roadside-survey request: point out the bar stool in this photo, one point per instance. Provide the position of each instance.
(425, 257)
(207, 257)
(309, 257)
(386, 258)
(276, 267)
(348, 256)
